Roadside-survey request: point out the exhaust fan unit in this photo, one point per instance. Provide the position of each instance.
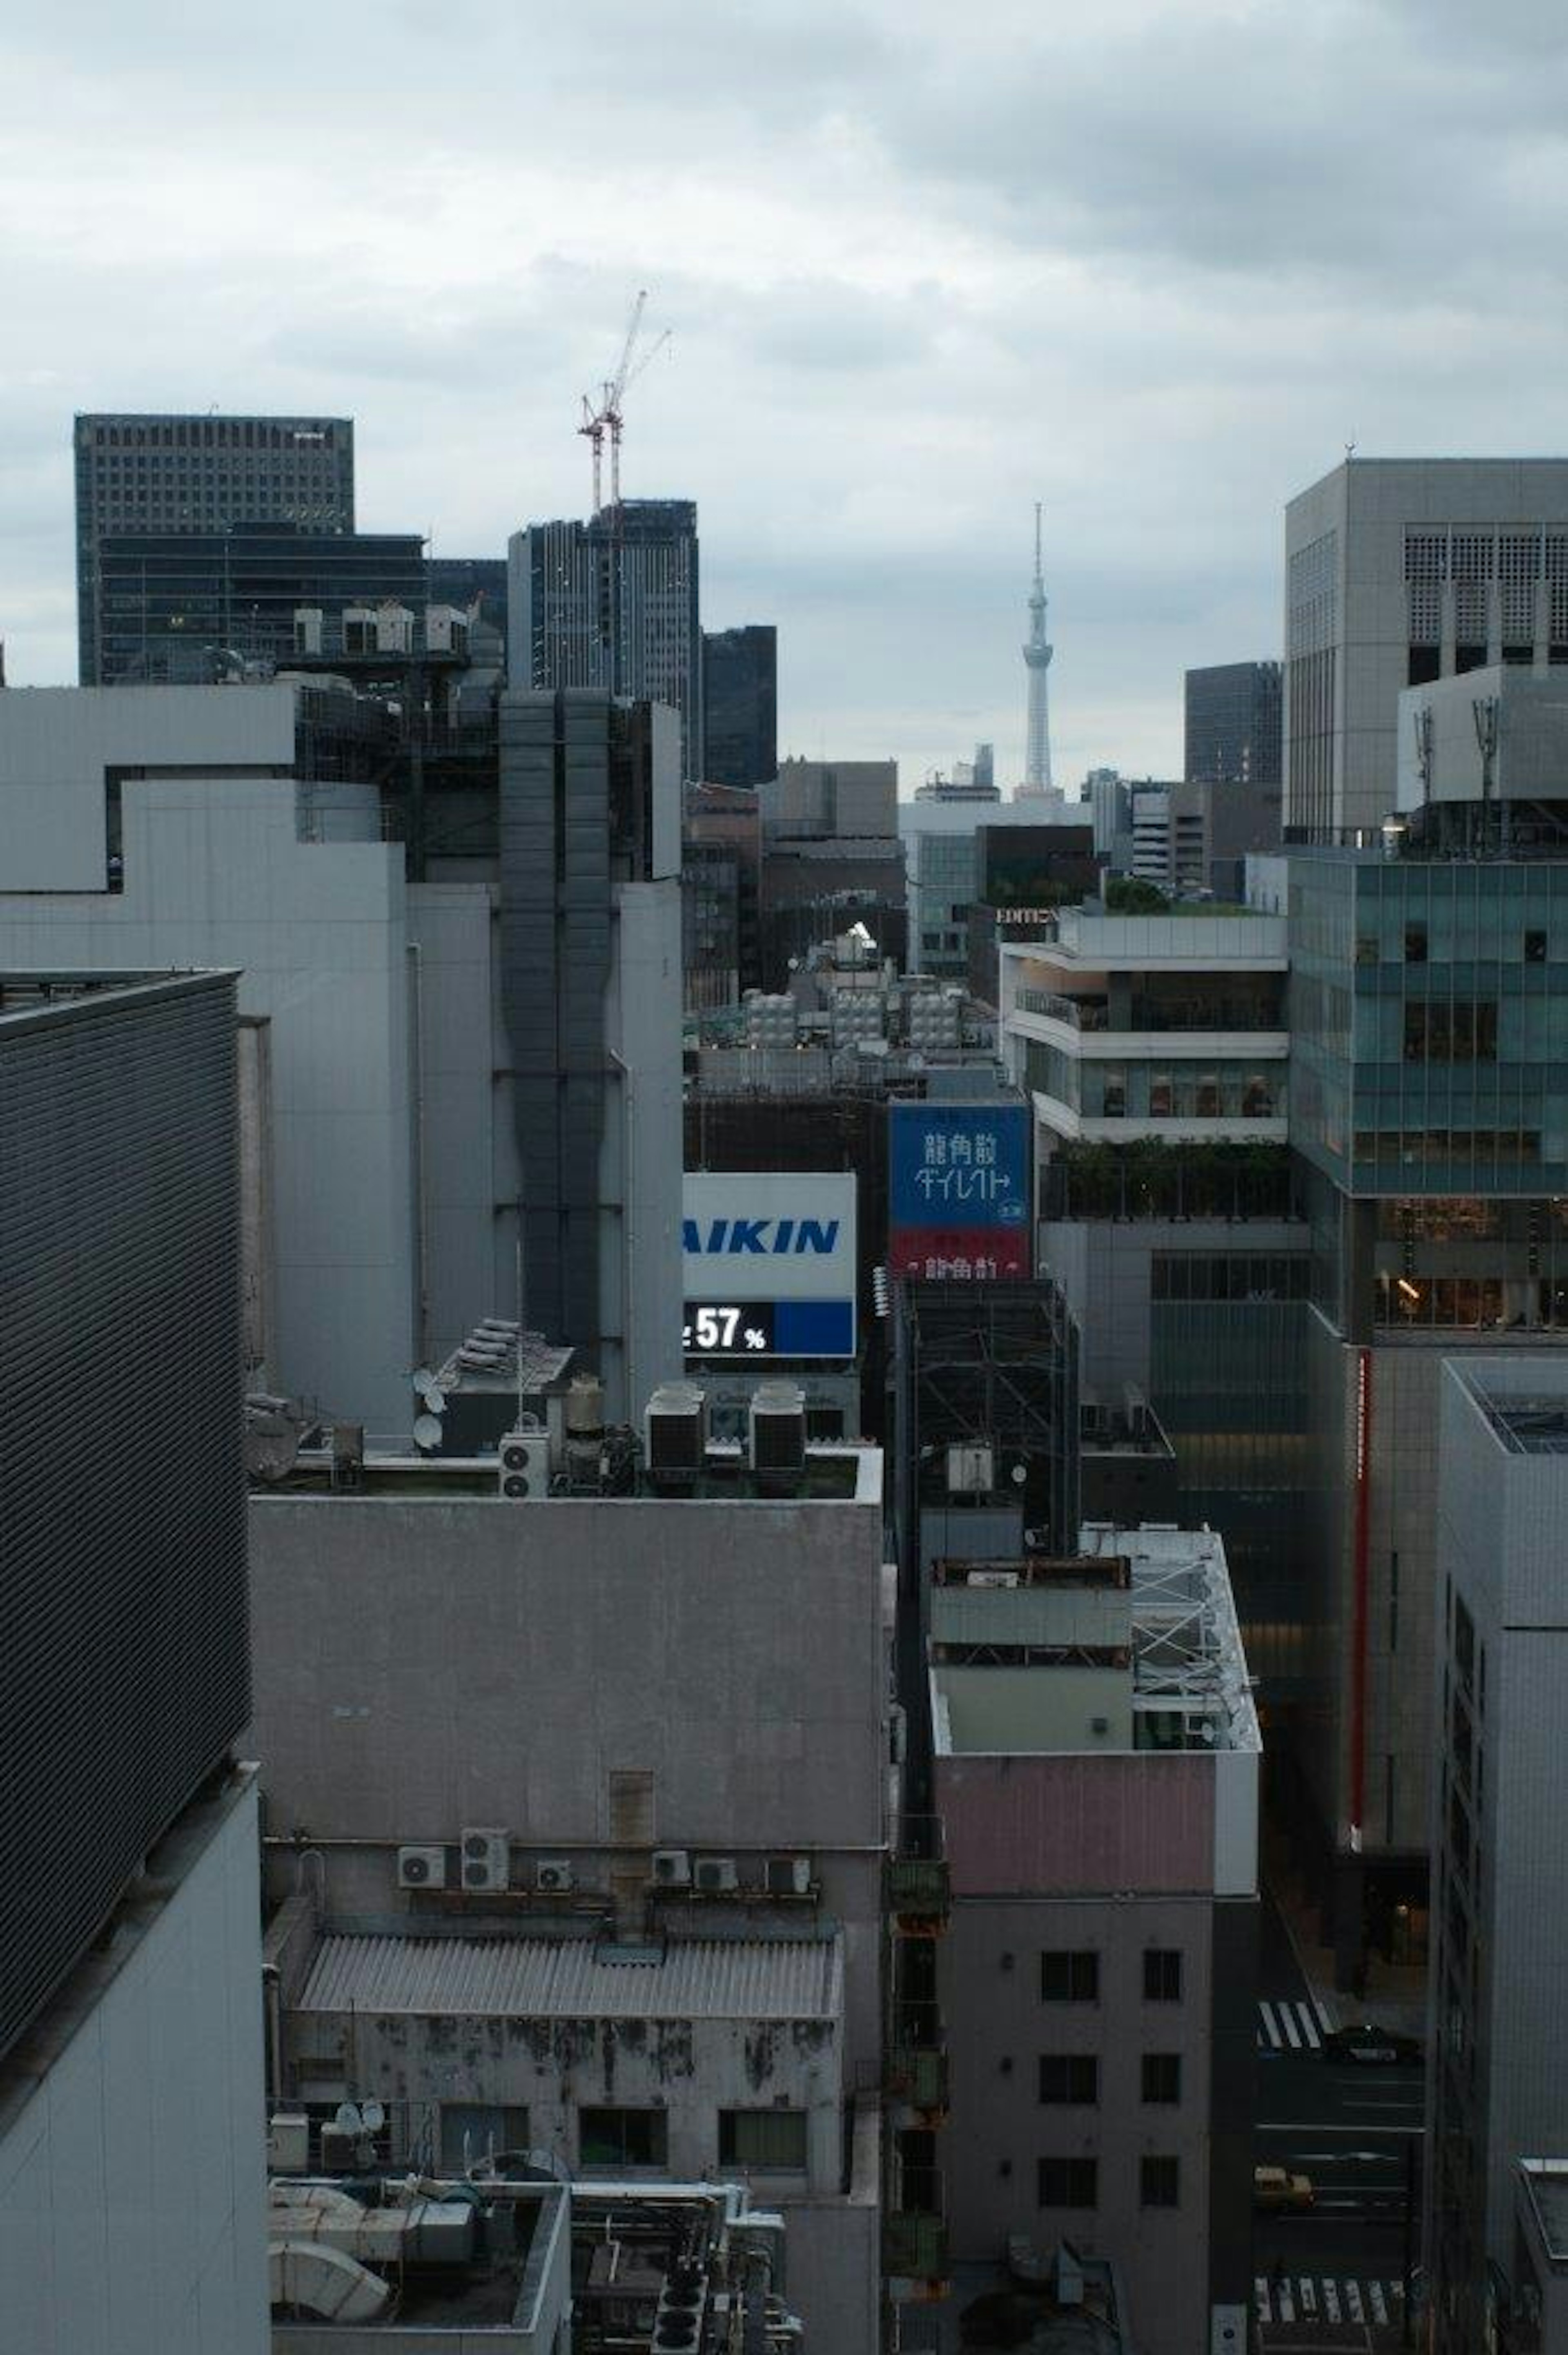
(675, 1433)
(776, 1434)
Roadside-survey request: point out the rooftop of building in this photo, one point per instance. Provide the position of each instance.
(1545, 2184)
(1522, 1395)
(358, 2260)
(1131, 1644)
(469, 1973)
(28, 999)
(829, 1473)
(1205, 938)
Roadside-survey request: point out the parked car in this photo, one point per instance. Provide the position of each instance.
(1375, 2046)
(1277, 2189)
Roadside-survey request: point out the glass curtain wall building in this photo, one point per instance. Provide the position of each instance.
(174, 474)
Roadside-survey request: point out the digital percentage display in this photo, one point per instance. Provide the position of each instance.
(769, 1328)
(728, 1328)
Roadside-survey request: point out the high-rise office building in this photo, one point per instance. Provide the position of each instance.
(174, 474)
(741, 705)
(1235, 724)
(195, 606)
(130, 2078)
(1399, 570)
(612, 605)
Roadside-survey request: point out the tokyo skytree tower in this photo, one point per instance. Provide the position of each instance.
(1037, 659)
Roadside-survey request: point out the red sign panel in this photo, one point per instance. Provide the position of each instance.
(959, 1253)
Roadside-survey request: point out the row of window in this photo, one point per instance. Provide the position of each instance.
(1072, 1974)
(1076, 2182)
(1072, 2080)
(1229, 1275)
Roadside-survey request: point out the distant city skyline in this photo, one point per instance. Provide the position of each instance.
(1165, 352)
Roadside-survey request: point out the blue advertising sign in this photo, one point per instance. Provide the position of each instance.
(958, 1186)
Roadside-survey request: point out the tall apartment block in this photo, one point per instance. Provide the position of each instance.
(147, 473)
(1498, 2090)
(1096, 1761)
(612, 605)
(1401, 571)
(1235, 724)
(741, 705)
(131, 2086)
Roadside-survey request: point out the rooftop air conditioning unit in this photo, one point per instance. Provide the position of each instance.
(789, 1876)
(486, 1858)
(552, 1876)
(675, 1433)
(970, 1471)
(776, 1434)
(671, 1869)
(713, 1875)
(421, 1868)
(523, 1470)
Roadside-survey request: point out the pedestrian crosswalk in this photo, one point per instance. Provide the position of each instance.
(1291, 2027)
(1323, 2298)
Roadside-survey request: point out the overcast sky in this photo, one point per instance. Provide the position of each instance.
(923, 264)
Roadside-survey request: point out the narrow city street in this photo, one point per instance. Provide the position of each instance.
(1333, 2276)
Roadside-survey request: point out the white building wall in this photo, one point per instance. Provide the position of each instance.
(133, 2183)
(215, 874)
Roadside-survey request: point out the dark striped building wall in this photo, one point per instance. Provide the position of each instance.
(125, 1670)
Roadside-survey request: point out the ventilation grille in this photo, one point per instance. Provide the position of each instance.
(122, 1535)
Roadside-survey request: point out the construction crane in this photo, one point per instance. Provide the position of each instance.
(604, 420)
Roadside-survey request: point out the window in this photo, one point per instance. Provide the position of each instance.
(774, 2139)
(1416, 945)
(1160, 2182)
(1068, 2183)
(1162, 1974)
(1162, 2077)
(1535, 948)
(622, 2138)
(1070, 1975)
(471, 2130)
(1070, 2077)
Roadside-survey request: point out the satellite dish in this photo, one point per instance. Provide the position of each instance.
(373, 2115)
(427, 1431)
(423, 1378)
(347, 2120)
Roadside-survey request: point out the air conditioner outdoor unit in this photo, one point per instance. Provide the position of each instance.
(992, 1578)
(552, 1876)
(523, 1469)
(671, 1869)
(485, 1863)
(675, 1433)
(714, 1874)
(789, 1876)
(776, 1432)
(970, 1471)
(421, 1868)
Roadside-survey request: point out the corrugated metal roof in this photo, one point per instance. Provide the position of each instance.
(542, 1978)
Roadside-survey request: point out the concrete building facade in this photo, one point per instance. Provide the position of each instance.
(1499, 2084)
(1399, 570)
(1098, 1977)
(670, 1718)
(390, 1127)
